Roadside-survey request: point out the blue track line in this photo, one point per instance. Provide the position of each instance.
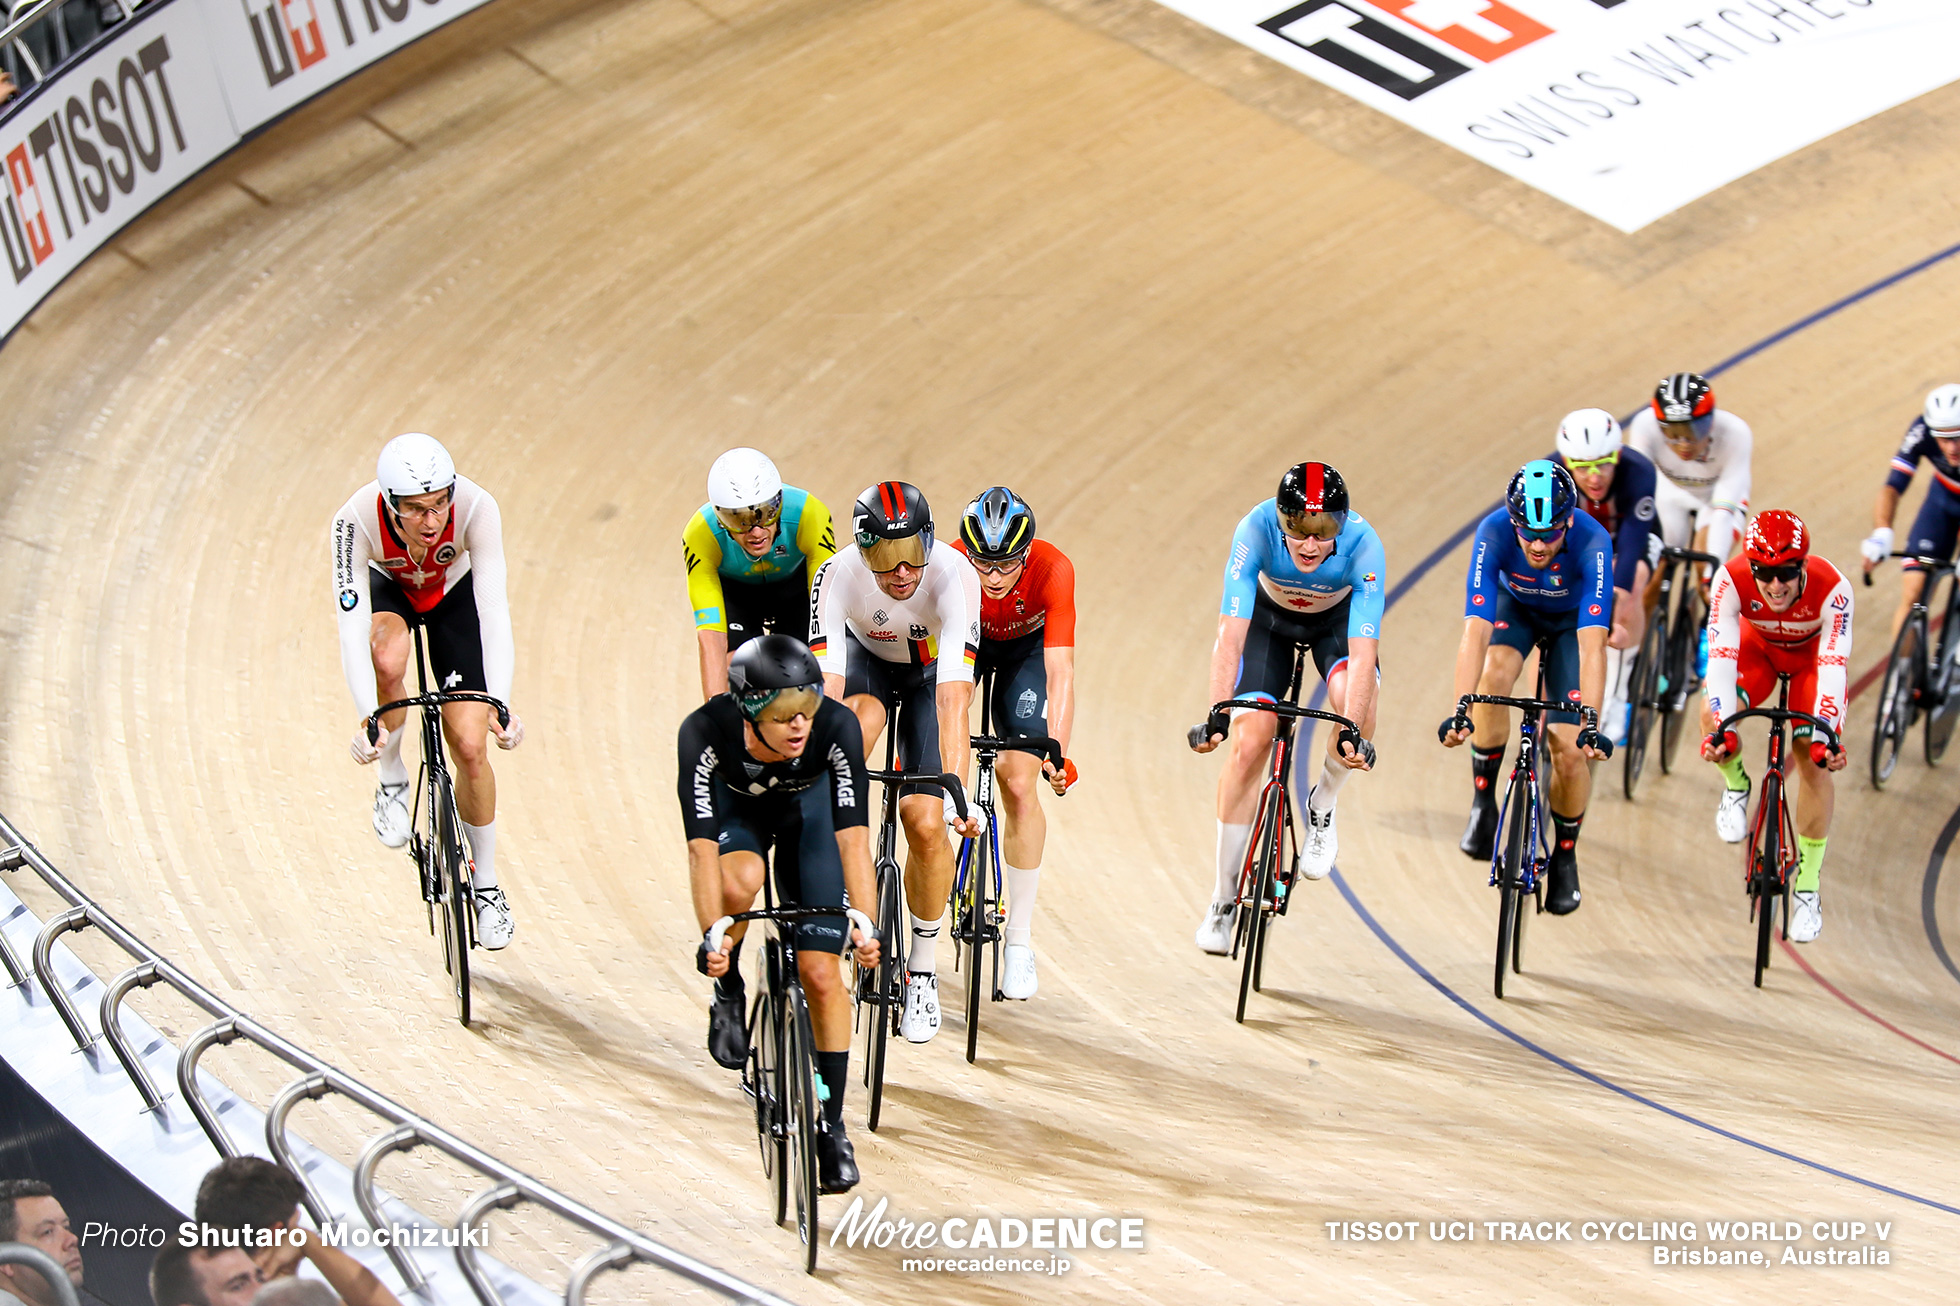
(1947, 835)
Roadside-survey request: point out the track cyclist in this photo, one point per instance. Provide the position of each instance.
(1779, 610)
(750, 553)
(1616, 489)
(1027, 640)
(1702, 455)
(1935, 436)
(772, 763)
(420, 543)
(1538, 568)
(1304, 570)
(897, 620)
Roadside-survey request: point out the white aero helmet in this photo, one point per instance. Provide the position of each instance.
(745, 490)
(1943, 409)
(413, 464)
(1588, 435)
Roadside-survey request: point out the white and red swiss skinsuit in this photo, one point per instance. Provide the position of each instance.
(1810, 641)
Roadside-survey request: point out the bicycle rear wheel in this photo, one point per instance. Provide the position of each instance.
(1895, 691)
(888, 991)
(1510, 879)
(454, 868)
(1264, 854)
(800, 1119)
(1643, 705)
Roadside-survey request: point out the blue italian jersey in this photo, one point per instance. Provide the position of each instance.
(1261, 565)
(1579, 578)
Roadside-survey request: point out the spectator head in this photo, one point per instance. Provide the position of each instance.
(30, 1214)
(247, 1192)
(203, 1276)
(296, 1292)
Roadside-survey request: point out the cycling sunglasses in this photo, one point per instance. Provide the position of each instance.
(1588, 466)
(1312, 525)
(882, 555)
(1784, 575)
(740, 521)
(998, 568)
(1539, 537)
(1693, 431)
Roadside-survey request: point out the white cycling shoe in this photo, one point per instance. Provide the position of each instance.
(391, 822)
(1017, 978)
(1806, 916)
(494, 926)
(1616, 718)
(1317, 855)
(1732, 817)
(1215, 931)
(921, 1019)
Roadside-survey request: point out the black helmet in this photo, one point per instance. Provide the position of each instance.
(893, 525)
(1312, 501)
(1683, 397)
(998, 525)
(762, 669)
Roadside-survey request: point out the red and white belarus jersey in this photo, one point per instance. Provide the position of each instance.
(366, 540)
(1748, 645)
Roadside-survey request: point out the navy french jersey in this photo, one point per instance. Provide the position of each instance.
(1627, 514)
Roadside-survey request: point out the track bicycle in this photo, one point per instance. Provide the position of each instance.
(437, 845)
(1272, 855)
(1771, 853)
(979, 909)
(1919, 676)
(1665, 679)
(780, 1073)
(881, 988)
(1524, 847)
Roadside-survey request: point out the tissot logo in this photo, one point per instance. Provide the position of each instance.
(1383, 42)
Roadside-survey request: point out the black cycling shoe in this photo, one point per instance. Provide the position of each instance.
(837, 1167)
(728, 1041)
(1562, 883)
(1480, 836)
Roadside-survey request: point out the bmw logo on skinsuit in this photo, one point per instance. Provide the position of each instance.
(349, 600)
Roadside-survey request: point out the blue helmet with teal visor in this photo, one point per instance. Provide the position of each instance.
(1541, 499)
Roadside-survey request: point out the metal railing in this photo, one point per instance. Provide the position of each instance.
(509, 1187)
(36, 1259)
(33, 12)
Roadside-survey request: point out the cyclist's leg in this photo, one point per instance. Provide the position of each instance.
(1020, 708)
(1264, 669)
(866, 686)
(1629, 624)
(1933, 533)
(744, 840)
(1816, 801)
(391, 648)
(1326, 640)
(456, 657)
(929, 860)
(810, 872)
(1510, 641)
(1571, 778)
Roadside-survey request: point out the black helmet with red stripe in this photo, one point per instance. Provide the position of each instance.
(1683, 397)
(1312, 501)
(893, 525)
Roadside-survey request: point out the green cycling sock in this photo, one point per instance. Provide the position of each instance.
(1810, 860)
(1734, 774)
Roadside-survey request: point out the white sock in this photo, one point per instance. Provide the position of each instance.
(1021, 884)
(1232, 841)
(925, 940)
(1328, 788)
(393, 770)
(483, 850)
(1619, 666)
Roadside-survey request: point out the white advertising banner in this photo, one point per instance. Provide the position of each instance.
(1625, 109)
(275, 54)
(87, 153)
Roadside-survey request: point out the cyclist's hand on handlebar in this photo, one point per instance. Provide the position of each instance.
(1594, 745)
(1212, 733)
(712, 963)
(1877, 547)
(1355, 752)
(867, 948)
(1720, 746)
(508, 737)
(1831, 759)
(972, 827)
(366, 751)
(1454, 731)
(1060, 781)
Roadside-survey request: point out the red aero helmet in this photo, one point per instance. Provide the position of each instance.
(1776, 539)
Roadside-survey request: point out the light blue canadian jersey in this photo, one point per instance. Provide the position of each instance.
(1261, 564)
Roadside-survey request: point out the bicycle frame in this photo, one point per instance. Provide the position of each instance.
(1925, 685)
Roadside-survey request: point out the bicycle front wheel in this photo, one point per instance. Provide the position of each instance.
(800, 1118)
(1644, 705)
(454, 870)
(1895, 693)
(766, 1082)
(1768, 870)
(888, 992)
(975, 912)
(1257, 881)
(1510, 877)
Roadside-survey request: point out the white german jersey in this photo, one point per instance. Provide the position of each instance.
(365, 541)
(942, 614)
(1721, 480)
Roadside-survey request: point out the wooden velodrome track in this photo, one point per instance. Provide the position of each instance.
(1097, 252)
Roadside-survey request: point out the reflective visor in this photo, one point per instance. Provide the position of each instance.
(740, 521)
(882, 555)
(1693, 431)
(1538, 537)
(1312, 525)
(788, 704)
(1784, 575)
